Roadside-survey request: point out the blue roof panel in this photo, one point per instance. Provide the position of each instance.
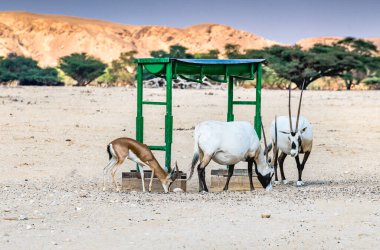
(220, 61)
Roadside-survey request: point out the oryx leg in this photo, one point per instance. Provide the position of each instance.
(151, 181)
(202, 173)
(106, 169)
(230, 173)
(250, 164)
(300, 167)
(281, 160)
(275, 151)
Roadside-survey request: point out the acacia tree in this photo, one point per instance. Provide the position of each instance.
(212, 54)
(175, 51)
(299, 66)
(123, 70)
(366, 63)
(82, 67)
(232, 51)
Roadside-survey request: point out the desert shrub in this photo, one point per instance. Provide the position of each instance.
(82, 68)
(27, 72)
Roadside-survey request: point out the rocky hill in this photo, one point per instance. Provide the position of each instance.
(46, 38)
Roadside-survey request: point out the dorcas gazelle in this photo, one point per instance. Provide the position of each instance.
(127, 148)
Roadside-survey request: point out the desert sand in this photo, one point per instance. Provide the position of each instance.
(53, 150)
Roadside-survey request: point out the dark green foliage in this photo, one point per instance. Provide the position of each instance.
(175, 51)
(122, 70)
(372, 80)
(232, 51)
(212, 54)
(82, 68)
(159, 54)
(366, 64)
(26, 71)
(298, 66)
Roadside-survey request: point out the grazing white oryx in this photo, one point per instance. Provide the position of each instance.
(123, 148)
(291, 140)
(228, 143)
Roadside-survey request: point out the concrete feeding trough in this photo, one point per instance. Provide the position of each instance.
(239, 181)
(131, 181)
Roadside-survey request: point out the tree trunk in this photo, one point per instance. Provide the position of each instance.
(348, 84)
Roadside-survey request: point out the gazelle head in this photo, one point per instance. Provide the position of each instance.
(170, 178)
(266, 172)
(294, 136)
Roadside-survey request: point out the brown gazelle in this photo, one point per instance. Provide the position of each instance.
(122, 148)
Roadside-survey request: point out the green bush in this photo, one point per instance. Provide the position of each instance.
(372, 80)
(26, 71)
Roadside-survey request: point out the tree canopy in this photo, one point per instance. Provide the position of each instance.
(26, 71)
(82, 68)
(175, 51)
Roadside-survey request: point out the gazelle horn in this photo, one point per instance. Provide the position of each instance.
(290, 111)
(265, 141)
(299, 105)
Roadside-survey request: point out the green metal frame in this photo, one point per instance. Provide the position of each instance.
(170, 68)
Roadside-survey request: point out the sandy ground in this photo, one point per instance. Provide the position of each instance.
(53, 144)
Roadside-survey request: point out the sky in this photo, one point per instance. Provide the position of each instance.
(285, 21)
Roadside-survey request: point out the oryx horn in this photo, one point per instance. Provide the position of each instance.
(299, 105)
(290, 111)
(265, 141)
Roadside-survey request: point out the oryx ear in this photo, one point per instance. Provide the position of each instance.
(303, 130)
(284, 132)
(174, 173)
(270, 160)
(268, 149)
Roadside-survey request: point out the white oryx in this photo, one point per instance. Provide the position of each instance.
(291, 140)
(228, 143)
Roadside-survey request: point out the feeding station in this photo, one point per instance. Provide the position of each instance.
(219, 70)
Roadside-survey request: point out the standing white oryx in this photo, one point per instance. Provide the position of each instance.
(123, 148)
(291, 140)
(228, 143)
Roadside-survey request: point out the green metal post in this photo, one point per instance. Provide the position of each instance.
(168, 117)
(230, 112)
(258, 100)
(139, 117)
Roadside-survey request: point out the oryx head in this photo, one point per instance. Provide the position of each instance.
(266, 172)
(294, 136)
(171, 177)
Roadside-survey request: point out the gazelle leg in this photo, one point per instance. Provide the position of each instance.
(113, 172)
(250, 164)
(151, 181)
(281, 163)
(230, 173)
(110, 164)
(142, 177)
